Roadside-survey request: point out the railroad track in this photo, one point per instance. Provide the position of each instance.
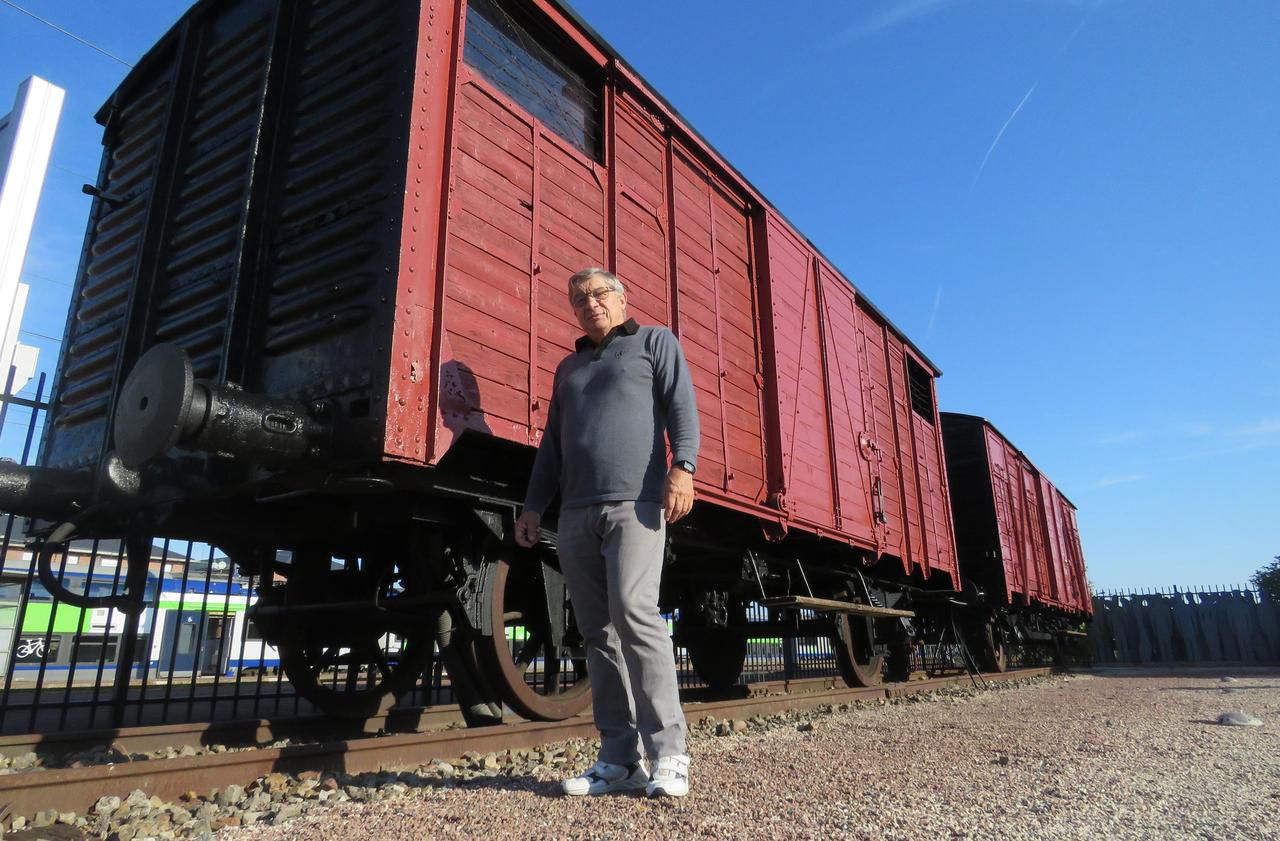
(76, 789)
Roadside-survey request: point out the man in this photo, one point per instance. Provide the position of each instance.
(614, 402)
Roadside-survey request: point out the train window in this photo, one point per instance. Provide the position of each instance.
(251, 631)
(91, 651)
(75, 583)
(523, 60)
(921, 384)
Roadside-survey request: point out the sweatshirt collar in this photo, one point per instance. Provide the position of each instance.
(626, 328)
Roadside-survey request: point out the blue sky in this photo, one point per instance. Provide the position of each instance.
(1072, 206)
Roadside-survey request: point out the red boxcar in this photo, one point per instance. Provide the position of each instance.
(352, 233)
(1015, 532)
(816, 413)
(406, 211)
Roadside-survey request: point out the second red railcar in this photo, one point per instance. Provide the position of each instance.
(1016, 533)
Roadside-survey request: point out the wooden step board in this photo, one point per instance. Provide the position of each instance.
(833, 606)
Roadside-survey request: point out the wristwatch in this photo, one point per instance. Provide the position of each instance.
(685, 465)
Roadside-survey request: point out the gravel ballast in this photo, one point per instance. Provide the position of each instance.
(1106, 755)
(1120, 754)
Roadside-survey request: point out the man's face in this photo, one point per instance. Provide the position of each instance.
(598, 307)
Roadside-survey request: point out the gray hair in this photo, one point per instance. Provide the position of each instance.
(610, 279)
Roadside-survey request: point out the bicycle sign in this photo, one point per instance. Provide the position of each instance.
(33, 648)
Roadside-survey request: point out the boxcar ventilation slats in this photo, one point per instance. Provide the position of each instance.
(301, 333)
(78, 416)
(322, 265)
(202, 247)
(208, 182)
(326, 194)
(119, 227)
(251, 178)
(88, 364)
(325, 239)
(331, 293)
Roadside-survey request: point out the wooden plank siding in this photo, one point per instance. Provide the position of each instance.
(1004, 475)
(856, 459)
(506, 304)
(802, 388)
(526, 212)
(1039, 544)
(717, 326)
(801, 400)
(880, 431)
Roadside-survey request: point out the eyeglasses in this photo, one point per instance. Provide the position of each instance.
(580, 300)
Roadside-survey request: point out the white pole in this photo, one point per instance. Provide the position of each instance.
(26, 139)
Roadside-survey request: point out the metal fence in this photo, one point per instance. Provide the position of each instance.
(1204, 625)
(191, 654)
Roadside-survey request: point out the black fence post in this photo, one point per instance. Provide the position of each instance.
(138, 551)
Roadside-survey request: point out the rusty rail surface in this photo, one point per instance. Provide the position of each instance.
(76, 789)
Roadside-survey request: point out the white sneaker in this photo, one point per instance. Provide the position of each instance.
(606, 777)
(670, 777)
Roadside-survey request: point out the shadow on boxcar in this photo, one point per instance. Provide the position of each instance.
(475, 450)
(460, 400)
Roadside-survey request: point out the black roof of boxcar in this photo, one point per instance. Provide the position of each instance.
(979, 419)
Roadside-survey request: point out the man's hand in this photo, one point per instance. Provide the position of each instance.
(678, 497)
(527, 529)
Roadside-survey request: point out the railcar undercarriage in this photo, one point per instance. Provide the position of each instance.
(365, 572)
(357, 610)
(358, 592)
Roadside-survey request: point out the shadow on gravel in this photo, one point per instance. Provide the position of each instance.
(57, 832)
(1227, 688)
(1239, 670)
(518, 782)
(542, 788)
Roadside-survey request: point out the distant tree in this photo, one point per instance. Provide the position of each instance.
(1267, 580)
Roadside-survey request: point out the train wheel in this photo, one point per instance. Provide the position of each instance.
(1058, 653)
(356, 666)
(534, 655)
(856, 656)
(993, 653)
(719, 653)
(897, 663)
(354, 679)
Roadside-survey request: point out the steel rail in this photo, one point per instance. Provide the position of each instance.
(76, 789)
(260, 732)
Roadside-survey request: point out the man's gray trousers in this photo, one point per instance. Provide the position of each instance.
(611, 554)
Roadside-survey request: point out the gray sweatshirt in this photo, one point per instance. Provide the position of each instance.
(611, 407)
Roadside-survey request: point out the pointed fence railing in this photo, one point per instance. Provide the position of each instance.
(1194, 625)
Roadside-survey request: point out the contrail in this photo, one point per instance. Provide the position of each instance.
(1084, 20)
(1065, 44)
(933, 314)
(1000, 134)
